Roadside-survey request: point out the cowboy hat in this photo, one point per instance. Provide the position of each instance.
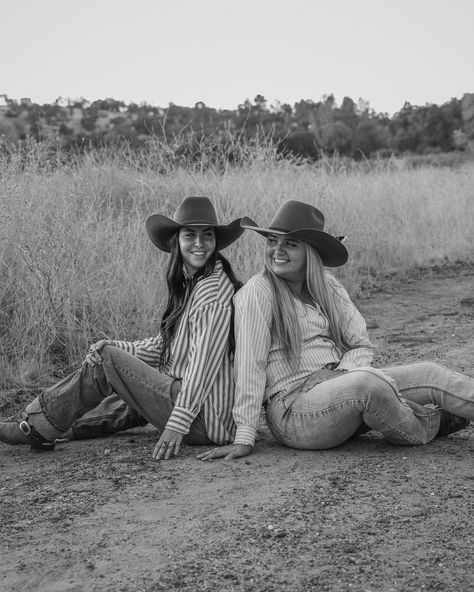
(304, 222)
(192, 211)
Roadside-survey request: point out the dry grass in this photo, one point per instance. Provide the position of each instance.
(76, 264)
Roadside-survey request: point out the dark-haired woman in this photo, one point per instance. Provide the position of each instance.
(302, 350)
(181, 380)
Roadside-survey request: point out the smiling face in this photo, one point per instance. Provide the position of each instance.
(286, 257)
(197, 244)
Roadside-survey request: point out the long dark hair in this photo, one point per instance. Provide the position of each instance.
(180, 288)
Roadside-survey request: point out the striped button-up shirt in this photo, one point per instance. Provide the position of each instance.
(200, 358)
(261, 366)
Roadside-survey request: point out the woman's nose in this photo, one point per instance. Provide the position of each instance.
(279, 247)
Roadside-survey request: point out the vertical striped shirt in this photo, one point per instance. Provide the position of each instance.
(261, 367)
(200, 358)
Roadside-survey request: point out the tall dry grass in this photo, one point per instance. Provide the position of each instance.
(76, 264)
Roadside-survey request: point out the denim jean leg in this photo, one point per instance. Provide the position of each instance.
(73, 396)
(143, 388)
(400, 421)
(427, 382)
(146, 390)
(328, 414)
(112, 415)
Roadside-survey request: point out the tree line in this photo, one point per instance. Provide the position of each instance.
(308, 128)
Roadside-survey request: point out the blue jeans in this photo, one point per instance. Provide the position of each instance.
(148, 396)
(328, 408)
(112, 415)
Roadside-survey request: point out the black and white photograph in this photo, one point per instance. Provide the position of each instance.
(237, 296)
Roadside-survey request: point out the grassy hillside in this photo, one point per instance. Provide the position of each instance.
(76, 264)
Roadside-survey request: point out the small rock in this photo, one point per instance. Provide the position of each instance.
(280, 534)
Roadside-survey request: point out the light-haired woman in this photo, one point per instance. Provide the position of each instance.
(302, 350)
(181, 380)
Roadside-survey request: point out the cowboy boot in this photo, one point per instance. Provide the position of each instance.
(450, 423)
(15, 432)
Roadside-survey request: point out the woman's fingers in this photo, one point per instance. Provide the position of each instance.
(167, 446)
(172, 450)
(159, 449)
(93, 359)
(214, 453)
(229, 452)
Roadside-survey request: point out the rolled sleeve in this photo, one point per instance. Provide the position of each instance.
(147, 350)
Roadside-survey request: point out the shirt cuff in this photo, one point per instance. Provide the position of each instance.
(127, 346)
(346, 366)
(180, 420)
(245, 435)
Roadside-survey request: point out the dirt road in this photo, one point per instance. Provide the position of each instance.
(102, 515)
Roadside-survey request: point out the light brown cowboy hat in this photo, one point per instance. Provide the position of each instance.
(306, 223)
(192, 211)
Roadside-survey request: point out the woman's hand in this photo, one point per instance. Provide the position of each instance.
(168, 445)
(93, 357)
(229, 452)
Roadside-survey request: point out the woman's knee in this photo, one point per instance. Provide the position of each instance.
(372, 380)
(110, 353)
(429, 372)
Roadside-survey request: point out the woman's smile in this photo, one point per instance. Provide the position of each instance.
(197, 244)
(286, 257)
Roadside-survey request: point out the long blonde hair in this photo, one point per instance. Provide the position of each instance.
(285, 321)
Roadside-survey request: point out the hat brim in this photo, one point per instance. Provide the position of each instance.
(331, 250)
(160, 229)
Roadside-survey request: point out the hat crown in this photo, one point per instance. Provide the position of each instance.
(295, 215)
(196, 210)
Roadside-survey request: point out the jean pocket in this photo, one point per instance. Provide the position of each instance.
(318, 377)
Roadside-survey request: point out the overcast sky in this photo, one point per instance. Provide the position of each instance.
(220, 52)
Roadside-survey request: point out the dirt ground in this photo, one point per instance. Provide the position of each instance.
(365, 517)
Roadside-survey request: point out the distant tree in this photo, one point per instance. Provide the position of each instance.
(9, 133)
(467, 112)
(303, 113)
(405, 130)
(300, 144)
(88, 122)
(335, 137)
(347, 113)
(370, 136)
(260, 103)
(437, 132)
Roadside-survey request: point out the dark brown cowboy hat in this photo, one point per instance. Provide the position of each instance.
(192, 211)
(306, 223)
